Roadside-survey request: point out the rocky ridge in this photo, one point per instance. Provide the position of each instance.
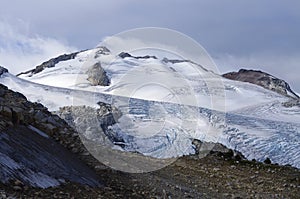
(50, 63)
(264, 80)
(125, 54)
(96, 74)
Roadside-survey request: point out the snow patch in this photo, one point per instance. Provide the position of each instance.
(41, 133)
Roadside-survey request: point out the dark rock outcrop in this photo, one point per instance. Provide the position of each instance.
(36, 146)
(102, 50)
(203, 148)
(97, 76)
(50, 63)
(264, 80)
(39, 161)
(124, 55)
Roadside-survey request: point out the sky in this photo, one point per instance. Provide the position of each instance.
(257, 34)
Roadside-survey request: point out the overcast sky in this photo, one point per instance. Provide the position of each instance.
(258, 34)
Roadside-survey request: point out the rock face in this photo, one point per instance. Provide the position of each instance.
(264, 80)
(93, 123)
(50, 63)
(39, 161)
(35, 145)
(97, 76)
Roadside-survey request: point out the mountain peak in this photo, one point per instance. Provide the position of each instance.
(264, 80)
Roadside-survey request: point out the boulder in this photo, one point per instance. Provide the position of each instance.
(97, 76)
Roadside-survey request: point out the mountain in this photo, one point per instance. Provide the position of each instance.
(264, 80)
(163, 105)
(143, 126)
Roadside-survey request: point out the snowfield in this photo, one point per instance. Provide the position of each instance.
(166, 105)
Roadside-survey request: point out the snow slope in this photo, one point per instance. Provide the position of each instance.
(165, 105)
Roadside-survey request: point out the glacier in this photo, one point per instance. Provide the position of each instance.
(165, 105)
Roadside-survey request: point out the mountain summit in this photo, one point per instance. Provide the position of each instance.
(264, 80)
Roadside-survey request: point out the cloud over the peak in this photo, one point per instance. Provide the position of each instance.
(20, 50)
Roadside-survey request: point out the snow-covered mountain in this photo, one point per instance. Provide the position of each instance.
(165, 103)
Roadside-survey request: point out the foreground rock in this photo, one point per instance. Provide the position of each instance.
(29, 147)
(188, 177)
(264, 80)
